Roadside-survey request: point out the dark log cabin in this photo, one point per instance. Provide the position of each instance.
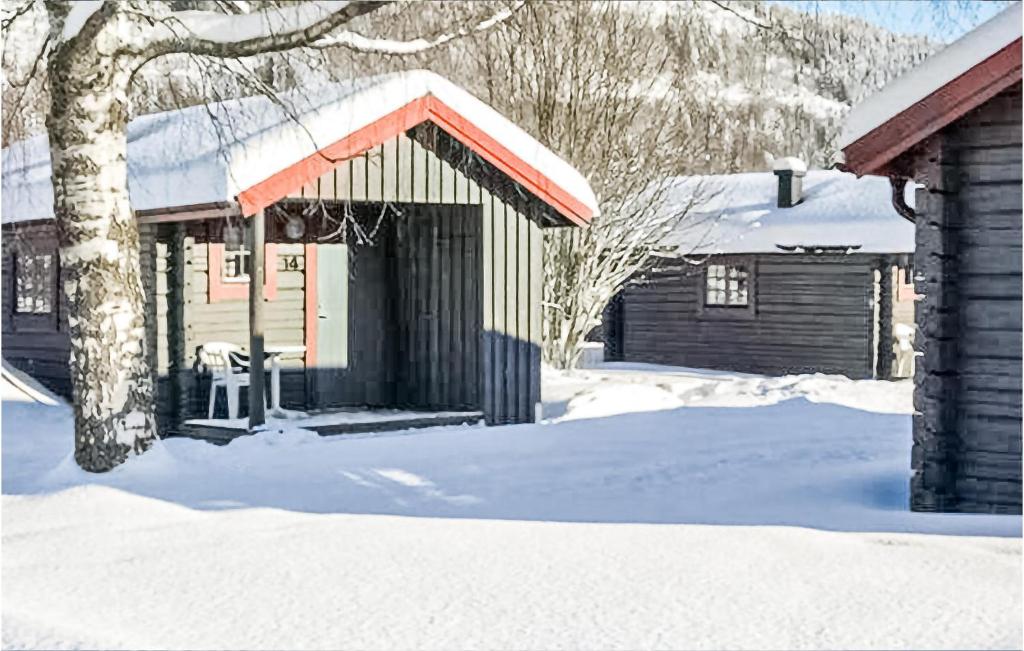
(791, 272)
(954, 125)
(403, 225)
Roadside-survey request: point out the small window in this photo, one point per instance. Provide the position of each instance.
(727, 286)
(33, 284)
(237, 255)
(905, 284)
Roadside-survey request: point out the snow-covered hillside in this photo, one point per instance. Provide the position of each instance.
(656, 508)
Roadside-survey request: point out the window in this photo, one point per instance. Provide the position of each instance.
(230, 264)
(33, 284)
(727, 286)
(237, 255)
(905, 284)
(236, 265)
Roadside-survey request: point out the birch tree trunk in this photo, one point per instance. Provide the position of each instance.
(99, 257)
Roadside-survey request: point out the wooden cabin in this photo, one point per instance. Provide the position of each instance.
(404, 224)
(773, 273)
(954, 125)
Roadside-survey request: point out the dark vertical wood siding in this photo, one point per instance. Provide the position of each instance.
(967, 453)
(438, 344)
(413, 321)
(812, 314)
(425, 167)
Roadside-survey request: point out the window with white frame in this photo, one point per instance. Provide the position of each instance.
(727, 285)
(237, 254)
(33, 284)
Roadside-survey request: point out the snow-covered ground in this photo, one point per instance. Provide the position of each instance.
(656, 508)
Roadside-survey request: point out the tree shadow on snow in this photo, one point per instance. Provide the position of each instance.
(794, 463)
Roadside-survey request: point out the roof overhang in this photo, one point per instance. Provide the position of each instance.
(188, 213)
(876, 151)
(176, 174)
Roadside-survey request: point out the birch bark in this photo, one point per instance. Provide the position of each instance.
(99, 250)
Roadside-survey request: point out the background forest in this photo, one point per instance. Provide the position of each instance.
(737, 79)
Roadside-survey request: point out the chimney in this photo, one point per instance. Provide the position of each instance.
(791, 173)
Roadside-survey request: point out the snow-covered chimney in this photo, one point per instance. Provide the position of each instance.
(791, 173)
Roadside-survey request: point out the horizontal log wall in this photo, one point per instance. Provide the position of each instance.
(40, 345)
(967, 435)
(36, 344)
(203, 320)
(812, 314)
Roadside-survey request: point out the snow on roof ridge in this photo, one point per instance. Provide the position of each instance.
(789, 163)
(738, 214)
(203, 168)
(933, 73)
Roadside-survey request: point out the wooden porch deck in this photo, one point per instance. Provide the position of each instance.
(328, 422)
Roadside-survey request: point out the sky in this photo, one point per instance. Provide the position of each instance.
(943, 20)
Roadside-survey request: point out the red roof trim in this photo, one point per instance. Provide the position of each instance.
(277, 186)
(426, 108)
(871, 153)
(511, 165)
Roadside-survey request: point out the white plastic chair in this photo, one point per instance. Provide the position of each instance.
(229, 368)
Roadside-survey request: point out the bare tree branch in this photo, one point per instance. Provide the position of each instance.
(365, 45)
(11, 15)
(749, 19)
(778, 27)
(222, 35)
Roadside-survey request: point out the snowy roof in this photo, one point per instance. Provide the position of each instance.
(934, 73)
(181, 158)
(739, 213)
(789, 164)
(18, 386)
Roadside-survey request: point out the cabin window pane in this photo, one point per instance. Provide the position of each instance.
(727, 285)
(33, 284)
(237, 254)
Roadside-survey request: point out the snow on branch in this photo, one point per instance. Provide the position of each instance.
(366, 45)
(246, 34)
(12, 12)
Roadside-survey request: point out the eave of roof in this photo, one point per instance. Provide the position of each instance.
(423, 109)
(175, 173)
(929, 97)
(873, 152)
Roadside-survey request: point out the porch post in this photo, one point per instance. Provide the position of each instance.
(256, 280)
(883, 352)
